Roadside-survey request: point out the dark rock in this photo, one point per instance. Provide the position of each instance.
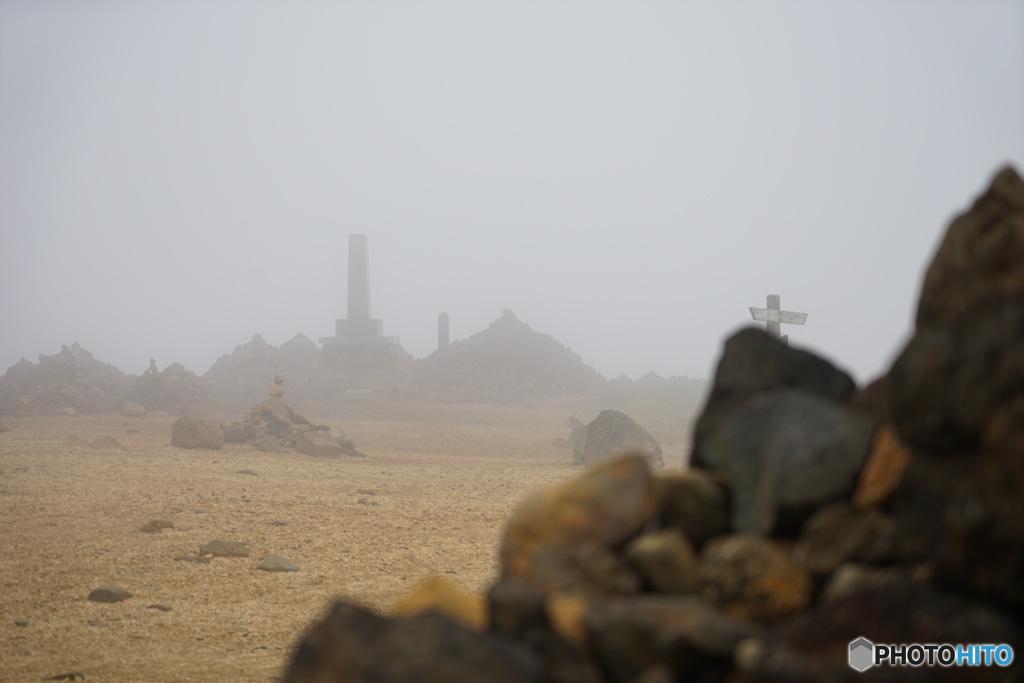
(276, 563)
(814, 647)
(319, 444)
(956, 397)
(696, 503)
(630, 635)
(107, 443)
(754, 362)
(752, 578)
(567, 537)
(353, 644)
(68, 383)
(578, 436)
(242, 432)
(613, 434)
(787, 450)
(270, 444)
(193, 432)
(248, 472)
(518, 612)
(666, 561)
(837, 533)
(156, 525)
(224, 549)
(109, 594)
(196, 559)
(162, 608)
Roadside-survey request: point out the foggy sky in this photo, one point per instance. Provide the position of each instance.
(628, 177)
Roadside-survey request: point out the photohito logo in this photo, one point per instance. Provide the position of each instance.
(864, 654)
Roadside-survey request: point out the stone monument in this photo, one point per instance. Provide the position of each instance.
(359, 356)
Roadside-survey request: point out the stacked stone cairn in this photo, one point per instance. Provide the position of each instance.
(814, 515)
(274, 427)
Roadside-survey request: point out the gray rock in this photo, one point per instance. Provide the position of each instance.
(156, 525)
(787, 449)
(241, 432)
(753, 363)
(193, 432)
(276, 563)
(224, 549)
(109, 594)
(196, 559)
(613, 434)
(319, 444)
(578, 436)
(270, 444)
(666, 561)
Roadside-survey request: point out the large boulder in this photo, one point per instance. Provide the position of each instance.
(956, 396)
(320, 444)
(194, 432)
(613, 434)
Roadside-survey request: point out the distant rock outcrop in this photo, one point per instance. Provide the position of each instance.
(505, 363)
(67, 383)
(238, 376)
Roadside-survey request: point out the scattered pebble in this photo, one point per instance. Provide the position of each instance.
(22, 622)
(278, 522)
(249, 472)
(197, 559)
(367, 492)
(22, 651)
(109, 594)
(276, 563)
(156, 525)
(224, 549)
(162, 608)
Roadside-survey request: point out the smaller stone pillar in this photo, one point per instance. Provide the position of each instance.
(442, 331)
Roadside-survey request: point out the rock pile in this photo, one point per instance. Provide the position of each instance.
(175, 391)
(68, 383)
(507, 362)
(238, 376)
(274, 427)
(816, 521)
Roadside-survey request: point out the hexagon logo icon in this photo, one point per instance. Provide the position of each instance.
(862, 654)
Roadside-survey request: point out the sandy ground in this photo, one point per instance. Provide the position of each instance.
(70, 519)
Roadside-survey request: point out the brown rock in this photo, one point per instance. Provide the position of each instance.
(193, 432)
(666, 561)
(276, 563)
(156, 525)
(442, 596)
(749, 577)
(883, 470)
(630, 635)
(566, 538)
(696, 503)
(837, 533)
(355, 645)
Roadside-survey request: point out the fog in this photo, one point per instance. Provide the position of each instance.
(627, 177)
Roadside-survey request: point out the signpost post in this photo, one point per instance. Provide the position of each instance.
(773, 317)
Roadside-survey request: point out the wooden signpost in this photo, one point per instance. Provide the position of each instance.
(773, 317)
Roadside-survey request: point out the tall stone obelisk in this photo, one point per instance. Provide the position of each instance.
(359, 356)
